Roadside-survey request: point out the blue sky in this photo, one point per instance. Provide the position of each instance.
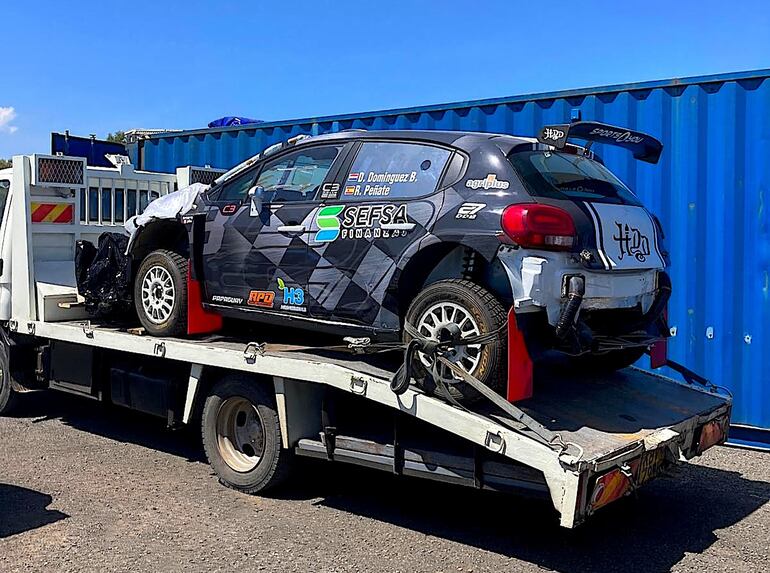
(95, 67)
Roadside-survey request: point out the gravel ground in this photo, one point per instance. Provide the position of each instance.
(84, 487)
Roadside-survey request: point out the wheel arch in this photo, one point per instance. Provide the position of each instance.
(449, 259)
(161, 234)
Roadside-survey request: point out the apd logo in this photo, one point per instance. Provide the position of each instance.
(631, 242)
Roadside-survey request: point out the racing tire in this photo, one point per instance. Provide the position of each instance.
(242, 435)
(606, 362)
(8, 395)
(160, 293)
(478, 312)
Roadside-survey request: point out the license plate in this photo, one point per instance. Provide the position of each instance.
(712, 433)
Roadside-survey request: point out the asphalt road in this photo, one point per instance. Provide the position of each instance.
(85, 488)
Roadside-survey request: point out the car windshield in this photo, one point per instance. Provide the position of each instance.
(567, 176)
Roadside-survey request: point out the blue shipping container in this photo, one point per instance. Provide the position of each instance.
(711, 190)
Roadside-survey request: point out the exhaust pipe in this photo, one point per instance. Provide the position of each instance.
(576, 290)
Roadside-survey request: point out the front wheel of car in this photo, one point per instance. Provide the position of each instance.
(474, 310)
(160, 293)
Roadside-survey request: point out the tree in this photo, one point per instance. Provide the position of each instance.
(5, 163)
(117, 137)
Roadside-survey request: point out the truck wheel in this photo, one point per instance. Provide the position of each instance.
(7, 393)
(242, 435)
(475, 311)
(160, 293)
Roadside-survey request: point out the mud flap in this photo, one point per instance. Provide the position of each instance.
(199, 320)
(520, 366)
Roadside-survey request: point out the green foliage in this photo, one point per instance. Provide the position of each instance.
(117, 137)
(5, 163)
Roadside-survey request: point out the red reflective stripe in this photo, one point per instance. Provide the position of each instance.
(65, 216)
(40, 211)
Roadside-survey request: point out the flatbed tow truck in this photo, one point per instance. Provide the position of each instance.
(581, 442)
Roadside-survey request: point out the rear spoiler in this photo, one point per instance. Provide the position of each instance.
(643, 146)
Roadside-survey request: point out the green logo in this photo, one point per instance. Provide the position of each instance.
(327, 219)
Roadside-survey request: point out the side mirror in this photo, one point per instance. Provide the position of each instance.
(256, 195)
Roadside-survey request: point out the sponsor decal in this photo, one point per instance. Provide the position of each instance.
(469, 210)
(187, 219)
(631, 242)
(356, 177)
(362, 222)
(619, 136)
(229, 209)
(489, 182)
(330, 191)
(293, 297)
(552, 133)
(226, 299)
(263, 298)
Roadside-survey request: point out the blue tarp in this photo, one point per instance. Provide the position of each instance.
(229, 120)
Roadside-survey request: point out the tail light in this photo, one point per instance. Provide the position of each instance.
(533, 225)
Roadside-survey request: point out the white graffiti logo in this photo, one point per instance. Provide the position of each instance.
(619, 136)
(489, 182)
(553, 133)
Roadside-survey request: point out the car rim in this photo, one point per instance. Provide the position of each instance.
(433, 324)
(240, 434)
(158, 294)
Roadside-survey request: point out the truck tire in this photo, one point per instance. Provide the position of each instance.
(242, 435)
(476, 311)
(160, 293)
(7, 393)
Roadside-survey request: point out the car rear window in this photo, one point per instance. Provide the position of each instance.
(571, 177)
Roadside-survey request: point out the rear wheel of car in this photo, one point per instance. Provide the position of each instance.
(160, 293)
(242, 435)
(474, 310)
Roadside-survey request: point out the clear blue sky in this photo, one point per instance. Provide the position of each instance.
(95, 67)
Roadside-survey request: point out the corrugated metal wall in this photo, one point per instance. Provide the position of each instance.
(711, 190)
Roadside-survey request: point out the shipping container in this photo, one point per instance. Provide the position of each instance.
(711, 191)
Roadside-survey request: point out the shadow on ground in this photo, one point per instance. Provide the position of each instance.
(670, 517)
(23, 509)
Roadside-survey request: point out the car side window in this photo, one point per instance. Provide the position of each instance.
(297, 176)
(400, 170)
(235, 190)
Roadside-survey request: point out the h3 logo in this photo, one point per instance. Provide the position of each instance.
(292, 295)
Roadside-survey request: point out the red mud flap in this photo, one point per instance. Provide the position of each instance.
(199, 320)
(519, 363)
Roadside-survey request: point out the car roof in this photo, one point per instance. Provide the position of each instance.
(461, 139)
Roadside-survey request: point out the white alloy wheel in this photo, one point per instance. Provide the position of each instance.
(433, 324)
(158, 294)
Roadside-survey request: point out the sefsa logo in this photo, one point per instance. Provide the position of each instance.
(469, 210)
(293, 297)
(362, 222)
(631, 242)
(328, 223)
(263, 298)
(489, 182)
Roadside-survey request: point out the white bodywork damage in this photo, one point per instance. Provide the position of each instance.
(537, 282)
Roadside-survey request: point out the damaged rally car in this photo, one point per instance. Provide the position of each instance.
(361, 232)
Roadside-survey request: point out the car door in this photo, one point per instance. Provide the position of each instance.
(386, 203)
(256, 256)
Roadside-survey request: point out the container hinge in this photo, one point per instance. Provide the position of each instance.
(358, 385)
(160, 349)
(252, 350)
(31, 328)
(13, 325)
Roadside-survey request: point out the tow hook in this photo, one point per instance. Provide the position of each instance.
(575, 291)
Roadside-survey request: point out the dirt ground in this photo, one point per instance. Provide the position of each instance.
(84, 487)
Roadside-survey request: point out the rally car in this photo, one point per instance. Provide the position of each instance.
(392, 234)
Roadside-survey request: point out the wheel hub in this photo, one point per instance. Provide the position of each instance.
(240, 434)
(158, 294)
(449, 321)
